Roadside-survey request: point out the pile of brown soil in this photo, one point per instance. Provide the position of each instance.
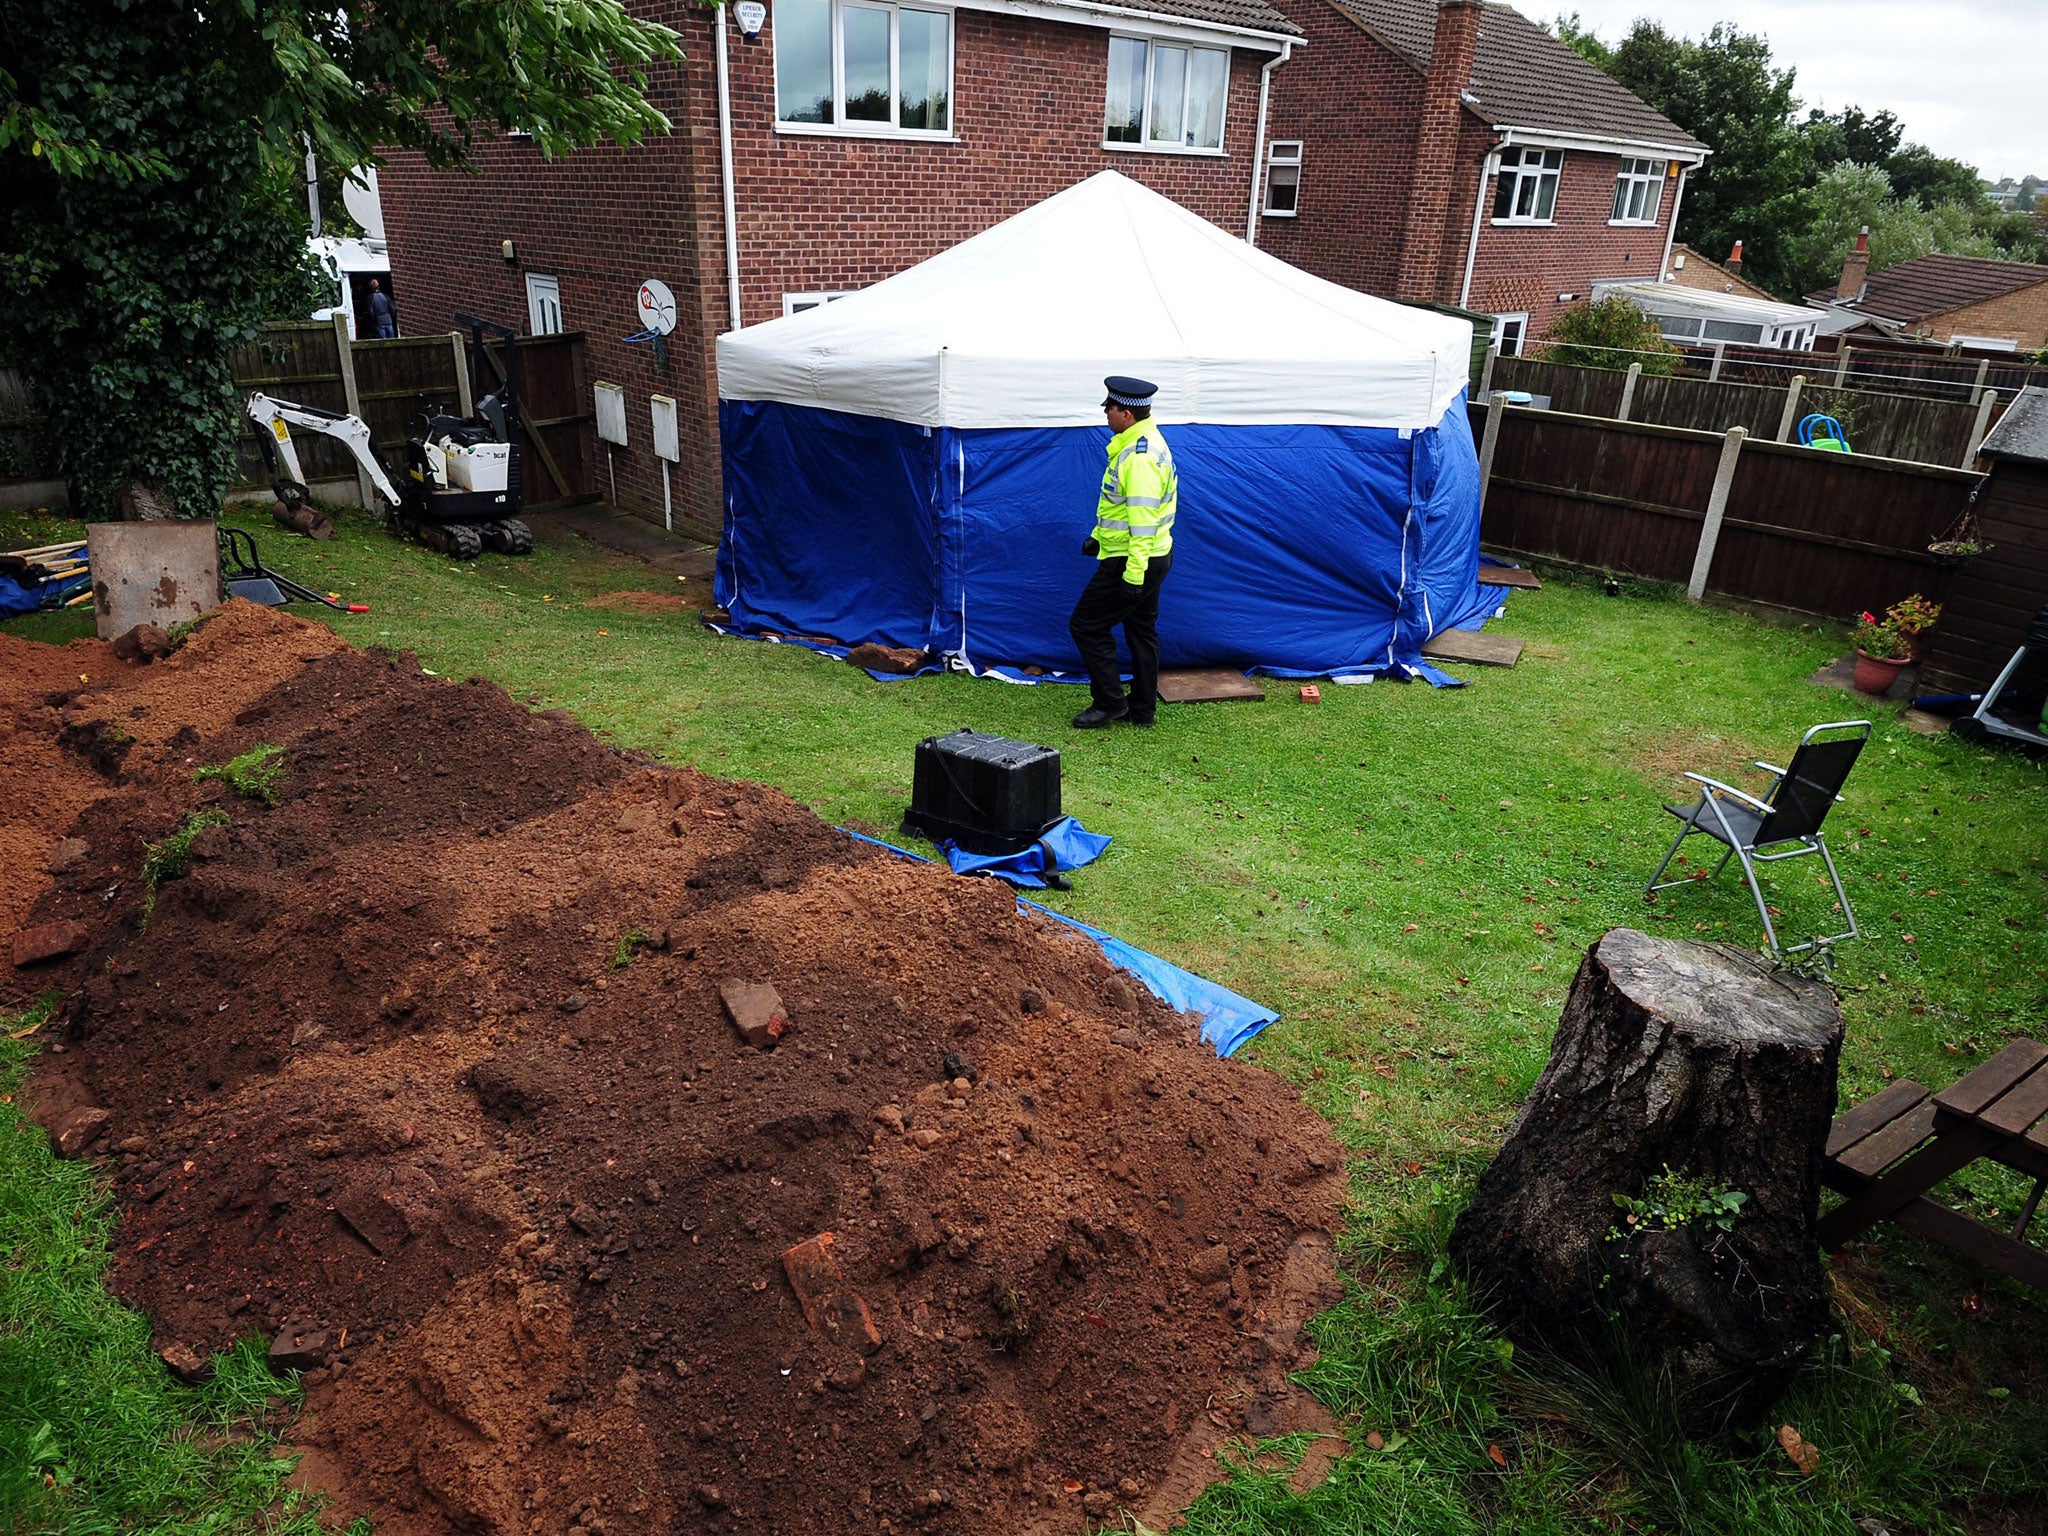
(427, 1065)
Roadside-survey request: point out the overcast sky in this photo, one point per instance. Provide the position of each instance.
(1964, 76)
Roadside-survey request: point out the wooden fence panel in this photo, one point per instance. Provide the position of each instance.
(1819, 532)
(1887, 426)
(295, 361)
(1832, 533)
(1599, 493)
(1672, 401)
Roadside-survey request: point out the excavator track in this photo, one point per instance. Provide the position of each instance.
(509, 537)
(462, 541)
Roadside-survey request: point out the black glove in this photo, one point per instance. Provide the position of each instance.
(1090, 548)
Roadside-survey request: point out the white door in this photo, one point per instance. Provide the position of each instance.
(543, 304)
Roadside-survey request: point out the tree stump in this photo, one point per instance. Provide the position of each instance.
(1701, 1060)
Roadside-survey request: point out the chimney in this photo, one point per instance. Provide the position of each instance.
(1855, 271)
(1735, 259)
(1436, 183)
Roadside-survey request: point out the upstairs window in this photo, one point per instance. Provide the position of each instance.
(1637, 191)
(1528, 186)
(873, 68)
(1165, 95)
(1283, 178)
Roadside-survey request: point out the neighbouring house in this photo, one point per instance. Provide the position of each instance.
(863, 137)
(1689, 269)
(1452, 153)
(1970, 301)
(1457, 152)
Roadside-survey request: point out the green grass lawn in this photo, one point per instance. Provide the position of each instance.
(1410, 877)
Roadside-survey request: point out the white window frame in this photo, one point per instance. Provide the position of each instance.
(1538, 172)
(1638, 171)
(542, 292)
(1283, 155)
(1518, 320)
(841, 128)
(1146, 144)
(797, 303)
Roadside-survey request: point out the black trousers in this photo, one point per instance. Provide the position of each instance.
(1107, 601)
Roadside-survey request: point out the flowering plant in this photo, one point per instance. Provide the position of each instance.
(1880, 638)
(1913, 615)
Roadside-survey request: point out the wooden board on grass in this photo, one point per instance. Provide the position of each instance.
(1476, 647)
(1508, 576)
(1206, 685)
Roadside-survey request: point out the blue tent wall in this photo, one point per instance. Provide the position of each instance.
(1298, 547)
(830, 526)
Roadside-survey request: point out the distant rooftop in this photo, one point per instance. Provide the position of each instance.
(1933, 285)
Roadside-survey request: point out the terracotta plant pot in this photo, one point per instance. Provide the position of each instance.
(1876, 674)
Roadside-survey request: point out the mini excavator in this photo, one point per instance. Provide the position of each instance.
(460, 493)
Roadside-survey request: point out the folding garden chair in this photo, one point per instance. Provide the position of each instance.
(1787, 820)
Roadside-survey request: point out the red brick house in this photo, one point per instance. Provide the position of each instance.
(865, 135)
(1460, 153)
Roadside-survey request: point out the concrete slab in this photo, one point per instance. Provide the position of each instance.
(630, 535)
(1921, 723)
(1502, 576)
(1476, 647)
(1206, 685)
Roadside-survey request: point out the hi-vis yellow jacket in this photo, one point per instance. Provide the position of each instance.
(1140, 491)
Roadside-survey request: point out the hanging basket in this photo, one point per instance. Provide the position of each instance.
(1953, 552)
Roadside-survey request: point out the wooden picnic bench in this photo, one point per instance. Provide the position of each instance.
(1889, 1151)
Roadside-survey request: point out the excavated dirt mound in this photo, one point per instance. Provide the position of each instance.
(426, 1067)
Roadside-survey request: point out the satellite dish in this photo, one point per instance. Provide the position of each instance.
(657, 307)
(359, 197)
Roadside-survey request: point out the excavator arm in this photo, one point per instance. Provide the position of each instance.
(274, 420)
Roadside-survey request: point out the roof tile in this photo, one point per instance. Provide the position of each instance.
(1934, 285)
(1254, 14)
(1523, 77)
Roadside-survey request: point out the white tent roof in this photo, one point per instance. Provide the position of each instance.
(1018, 326)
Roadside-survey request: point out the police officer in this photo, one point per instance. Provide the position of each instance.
(1133, 547)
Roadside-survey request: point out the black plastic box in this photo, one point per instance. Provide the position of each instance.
(987, 793)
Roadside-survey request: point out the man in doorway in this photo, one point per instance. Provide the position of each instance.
(1133, 547)
(383, 319)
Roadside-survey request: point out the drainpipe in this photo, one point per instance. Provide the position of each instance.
(1486, 169)
(1251, 220)
(732, 234)
(1671, 234)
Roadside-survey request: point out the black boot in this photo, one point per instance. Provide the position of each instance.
(1096, 718)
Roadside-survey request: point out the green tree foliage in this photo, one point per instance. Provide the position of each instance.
(151, 195)
(1581, 39)
(1724, 90)
(1795, 192)
(1608, 333)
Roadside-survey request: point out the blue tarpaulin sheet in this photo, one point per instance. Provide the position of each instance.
(1300, 550)
(1228, 1020)
(1066, 845)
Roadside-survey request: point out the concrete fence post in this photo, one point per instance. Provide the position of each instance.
(1628, 391)
(460, 344)
(1790, 416)
(1494, 410)
(344, 354)
(1841, 364)
(1720, 354)
(1977, 387)
(1980, 426)
(1717, 508)
(1486, 371)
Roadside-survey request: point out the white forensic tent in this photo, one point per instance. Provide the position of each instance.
(915, 463)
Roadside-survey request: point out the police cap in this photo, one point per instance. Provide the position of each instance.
(1127, 391)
